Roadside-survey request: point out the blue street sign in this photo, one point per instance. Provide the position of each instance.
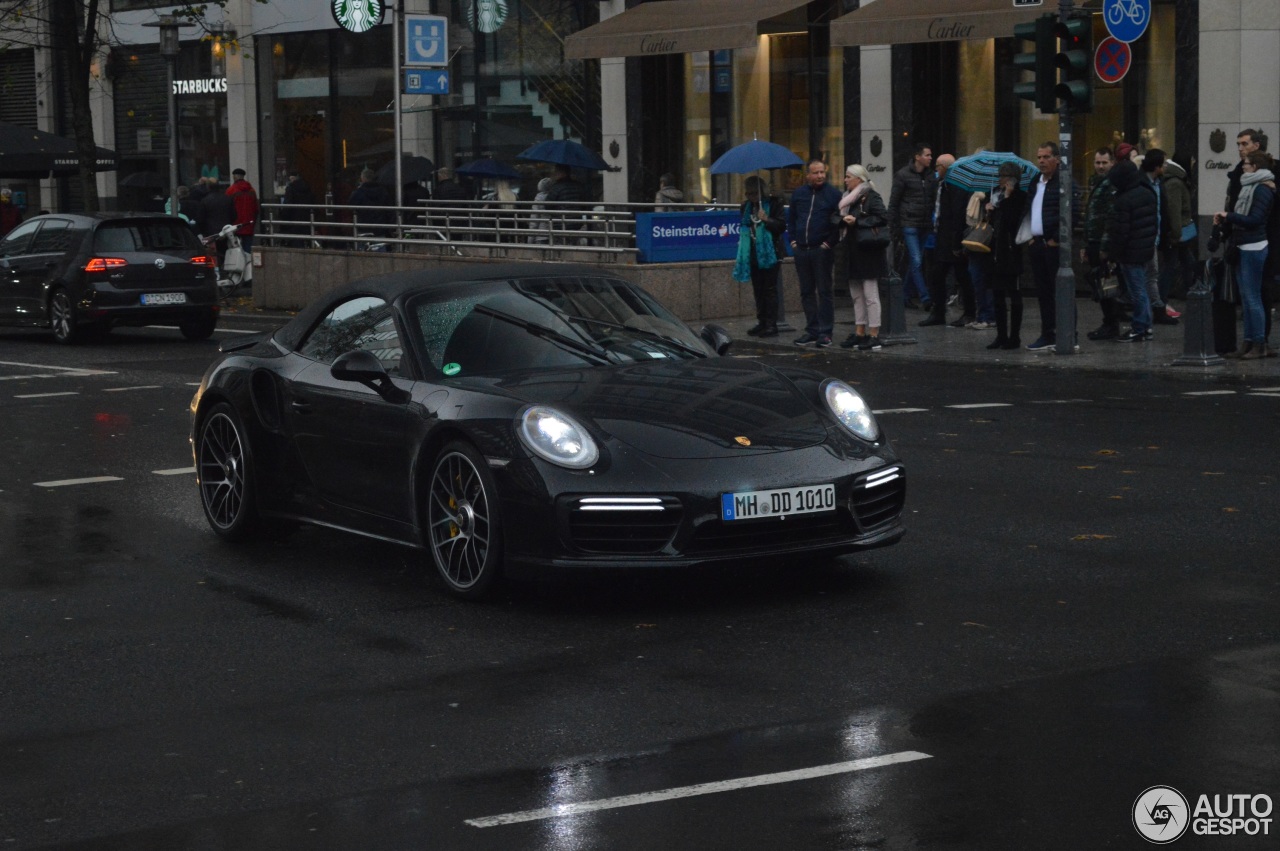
(426, 40)
(424, 82)
(1126, 20)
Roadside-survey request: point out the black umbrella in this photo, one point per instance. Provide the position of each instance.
(145, 180)
(33, 153)
(412, 170)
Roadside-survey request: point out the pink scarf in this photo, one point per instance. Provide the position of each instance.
(851, 198)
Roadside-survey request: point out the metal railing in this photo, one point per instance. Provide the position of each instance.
(462, 228)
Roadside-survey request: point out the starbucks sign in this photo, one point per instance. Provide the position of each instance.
(357, 16)
(486, 16)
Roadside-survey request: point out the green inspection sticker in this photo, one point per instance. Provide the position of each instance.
(452, 369)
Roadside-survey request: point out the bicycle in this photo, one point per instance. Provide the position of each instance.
(236, 269)
(1126, 8)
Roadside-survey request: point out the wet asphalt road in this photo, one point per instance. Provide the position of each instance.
(1087, 604)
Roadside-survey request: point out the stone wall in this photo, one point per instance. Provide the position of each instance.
(289, 278)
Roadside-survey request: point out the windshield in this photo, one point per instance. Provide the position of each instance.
(546, 323)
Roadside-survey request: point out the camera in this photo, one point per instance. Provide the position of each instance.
(1215, 239)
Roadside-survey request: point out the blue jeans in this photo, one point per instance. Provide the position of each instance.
(1135, 283)
(979, 274)
(813, 267)
(1249, 277)
(913, 284)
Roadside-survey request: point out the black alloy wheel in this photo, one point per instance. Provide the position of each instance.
(224, 470)
(463, 528)
(62, 317)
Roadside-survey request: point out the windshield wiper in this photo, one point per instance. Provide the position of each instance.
(595, 353)
(640, 332)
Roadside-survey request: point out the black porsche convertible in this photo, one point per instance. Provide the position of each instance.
(535, 416)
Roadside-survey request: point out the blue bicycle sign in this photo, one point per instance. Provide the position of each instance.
(1126, 20)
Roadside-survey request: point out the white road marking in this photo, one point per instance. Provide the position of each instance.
(698, 789)
(1210, 393)
(176, 471)
(223, 330)
(89, 481)
(45, 395)
(983, 405)
(66, 370)
(1059, 401)
(139, 387)
(899, 410)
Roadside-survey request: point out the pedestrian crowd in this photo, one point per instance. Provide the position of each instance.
(1139, 246)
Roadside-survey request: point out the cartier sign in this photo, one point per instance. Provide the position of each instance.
(658, 44)
(941, 29)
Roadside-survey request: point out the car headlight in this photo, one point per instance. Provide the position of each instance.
(850, 409)
(557, 437)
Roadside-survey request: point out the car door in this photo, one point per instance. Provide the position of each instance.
(43, 262)
(15, 265)
(356, 447)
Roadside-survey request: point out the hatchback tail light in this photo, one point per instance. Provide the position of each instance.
(202, 260)
(102, 264)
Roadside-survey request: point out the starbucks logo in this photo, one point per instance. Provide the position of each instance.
(486, 16)
(357, 16)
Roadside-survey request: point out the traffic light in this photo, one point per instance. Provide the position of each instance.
(1040, 62)
(1075, 55)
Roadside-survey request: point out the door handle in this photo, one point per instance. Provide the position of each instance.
(300, 407)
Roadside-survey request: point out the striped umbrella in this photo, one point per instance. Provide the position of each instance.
(979, 172)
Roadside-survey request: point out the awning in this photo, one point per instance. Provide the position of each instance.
(908, 21)
(35, 154)
(686, 26)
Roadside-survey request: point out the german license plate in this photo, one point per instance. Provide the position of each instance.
(782, 502)
(164, 298)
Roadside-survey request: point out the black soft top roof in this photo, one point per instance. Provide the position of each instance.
(390, 287)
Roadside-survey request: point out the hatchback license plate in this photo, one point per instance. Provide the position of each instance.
(782, 502)
(164, 298)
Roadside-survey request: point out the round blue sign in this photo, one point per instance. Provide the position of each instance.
(1126, 20)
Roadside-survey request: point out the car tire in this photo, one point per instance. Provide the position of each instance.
(63, 317)
(225, 474)
(463, 528)
(200, 328)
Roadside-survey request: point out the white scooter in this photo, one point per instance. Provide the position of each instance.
(237, 266)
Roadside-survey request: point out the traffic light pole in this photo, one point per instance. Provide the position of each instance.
(1065, 283)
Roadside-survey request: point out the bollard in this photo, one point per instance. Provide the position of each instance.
(1197, 331)
(895, 307)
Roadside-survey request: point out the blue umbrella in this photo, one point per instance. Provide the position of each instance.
(564, 152)
(489, 168)
(979, 172)
(754, 156)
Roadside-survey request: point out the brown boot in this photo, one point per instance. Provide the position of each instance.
(1245, 348)
(1256, 353)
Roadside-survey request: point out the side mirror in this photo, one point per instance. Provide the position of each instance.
(362, 367)
(716, 337)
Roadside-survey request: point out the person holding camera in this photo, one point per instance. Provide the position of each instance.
(1248, 221)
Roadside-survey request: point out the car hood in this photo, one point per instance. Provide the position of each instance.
(711, 408)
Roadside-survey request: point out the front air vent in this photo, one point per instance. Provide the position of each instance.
(621, 525)
(878, 498)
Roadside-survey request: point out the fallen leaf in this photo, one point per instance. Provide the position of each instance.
(1153, 447)
(1106, 452)
(1089, 467)
(1019, 452)
(1115, 497)
(1128, 472)
(1213, 474)
(1231, 510)
(1092, 537)
(645, 625)
(979, 625)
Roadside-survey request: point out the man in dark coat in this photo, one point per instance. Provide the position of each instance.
(371, 193)
(217, 210)
(947, 254)
(910, 205)
(1130, 242)
(813, 222)
(448, 189)
(1097, 218)
(299, 197)
(1043, 249)
(565, 188)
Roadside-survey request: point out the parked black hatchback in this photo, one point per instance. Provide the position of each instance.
(79, 274)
